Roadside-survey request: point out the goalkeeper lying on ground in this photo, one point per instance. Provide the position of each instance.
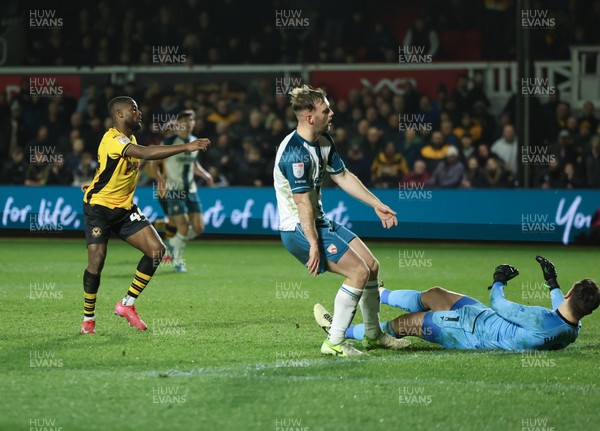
(459, 322)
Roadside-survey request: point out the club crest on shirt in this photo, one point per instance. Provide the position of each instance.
(298, 169)
(332, 249)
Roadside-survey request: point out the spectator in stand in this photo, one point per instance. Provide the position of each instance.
(85, 171)
(484, 153)
(359, 137)
(467, 125)
(507, 148)
(374, 143)
(564, 148)
(486, 120)
(223, 157)
(494, 175)
(448, 174)
(477, 93)
(13, 132)
(449, 134)
(388, 168)
(37, 172)
(40, 143)
(15, 169)
(572, 126)
(422, 37)
(583, 137)
(256, 127)
(222, 114)
(466, 148)
(252, 170)
(73, 159)
(473, 176)
(460, 95)
(357, 163)
(570, 179)
(418, 177)
(588, 115)
(412, 144)
(435, 151)
(556, 122)
(549, 177)
(592, 163)
(59, 174)
(430, 112)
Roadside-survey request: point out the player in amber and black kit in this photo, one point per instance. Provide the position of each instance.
(108, 207)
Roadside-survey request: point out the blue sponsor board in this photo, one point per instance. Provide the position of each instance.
(518, 215)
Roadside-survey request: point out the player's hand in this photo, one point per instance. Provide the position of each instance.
(386, 215)
(548, 268)
(549, 271)
(505, 272)
(314, 258)
(85, 186)
(198, 144)
(210, 181)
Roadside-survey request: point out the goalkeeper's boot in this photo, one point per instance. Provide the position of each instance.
(88, 327)
(385, 341)
(342, 350)
(322, 317)
(130, 313)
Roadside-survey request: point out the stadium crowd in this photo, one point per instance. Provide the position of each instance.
(454, 141)
(335, 31)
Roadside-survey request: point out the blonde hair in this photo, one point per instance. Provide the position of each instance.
(305, 97)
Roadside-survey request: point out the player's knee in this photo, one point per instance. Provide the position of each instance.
(96, 262)
(362, 275)
(374, 267)
(435, 290)
(183, 229)
(158, 251)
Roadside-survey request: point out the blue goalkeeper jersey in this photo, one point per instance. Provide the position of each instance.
(511, 326)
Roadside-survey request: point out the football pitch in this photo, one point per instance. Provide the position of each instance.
(232, 345)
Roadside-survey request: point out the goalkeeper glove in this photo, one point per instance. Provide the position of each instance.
(504, 272)
(549, 271)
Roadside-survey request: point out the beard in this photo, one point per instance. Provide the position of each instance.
(134, 125)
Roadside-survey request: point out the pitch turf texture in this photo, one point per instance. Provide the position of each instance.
(232, 345)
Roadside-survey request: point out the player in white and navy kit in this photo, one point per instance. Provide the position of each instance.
(181, 191)
(318, 242)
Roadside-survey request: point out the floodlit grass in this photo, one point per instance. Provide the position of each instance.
(232, 345)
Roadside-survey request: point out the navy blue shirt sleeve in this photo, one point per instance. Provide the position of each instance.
(296, 167)
(335, 164)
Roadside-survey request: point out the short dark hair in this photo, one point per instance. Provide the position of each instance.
(306, 97)
(585, 297)
(184, 115)
(115, 102)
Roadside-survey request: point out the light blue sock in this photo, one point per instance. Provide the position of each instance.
(357, 332)
(407, 300)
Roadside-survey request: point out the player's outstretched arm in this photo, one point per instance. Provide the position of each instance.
(349, 183)
(551, 277)
(307, 221)
(162, 151)
(200, 171)
(518, 314)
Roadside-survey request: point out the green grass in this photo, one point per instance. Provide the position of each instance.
(235, 356)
